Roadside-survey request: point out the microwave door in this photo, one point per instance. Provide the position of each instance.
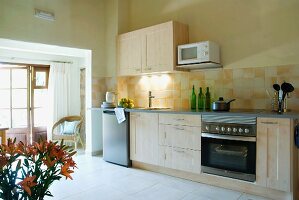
(188, 55)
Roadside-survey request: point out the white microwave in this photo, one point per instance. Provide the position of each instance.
(200, 52)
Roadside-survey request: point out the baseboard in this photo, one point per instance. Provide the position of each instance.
(97, 153)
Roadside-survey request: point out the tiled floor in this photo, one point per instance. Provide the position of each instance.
(98, 180)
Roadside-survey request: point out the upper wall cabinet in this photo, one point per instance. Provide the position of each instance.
(152, 49)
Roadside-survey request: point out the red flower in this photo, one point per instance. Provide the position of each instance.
(40, 146)
(28, 183)
(50, 163)
(57, 153)
(3, 161)
(66, 171)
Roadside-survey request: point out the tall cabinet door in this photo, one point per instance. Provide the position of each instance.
(134, 117)
(144, 137)
(159, 48)
(129, 53)
(274, 153)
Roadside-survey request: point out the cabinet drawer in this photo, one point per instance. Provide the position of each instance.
(188, 137)
(181, 159)
(179, 119)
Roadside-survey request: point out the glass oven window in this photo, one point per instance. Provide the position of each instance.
(229, 155)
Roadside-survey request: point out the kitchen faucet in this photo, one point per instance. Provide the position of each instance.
(150, 99)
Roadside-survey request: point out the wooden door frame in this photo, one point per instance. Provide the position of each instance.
(30, 95)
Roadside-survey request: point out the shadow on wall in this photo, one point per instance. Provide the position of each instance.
(250, 33)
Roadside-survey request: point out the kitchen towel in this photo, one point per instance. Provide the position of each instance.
(120, 114)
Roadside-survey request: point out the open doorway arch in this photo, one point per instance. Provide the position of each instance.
(35, 53)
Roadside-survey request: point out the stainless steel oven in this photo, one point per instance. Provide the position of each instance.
(228, 146)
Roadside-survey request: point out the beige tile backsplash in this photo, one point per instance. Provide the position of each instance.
(99, 88)
(247, 85)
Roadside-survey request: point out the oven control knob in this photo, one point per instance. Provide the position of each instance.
(207, 128)
(217, 128)
(229, 129)
(246, 130)
(235, 130)
(240, 130)
(222, 129)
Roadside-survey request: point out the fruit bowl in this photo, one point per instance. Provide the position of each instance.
(126, 103)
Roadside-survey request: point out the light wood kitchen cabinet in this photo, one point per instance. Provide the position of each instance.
(180, 158)
(273, 169)
(180, 142)
(129, 52)
(180, 136)
(144, 137)
(159, 55)
(151, 49)
(179, 119)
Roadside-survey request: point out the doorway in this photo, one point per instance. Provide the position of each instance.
(23, 101)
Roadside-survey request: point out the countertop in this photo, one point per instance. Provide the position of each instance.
(233, 112)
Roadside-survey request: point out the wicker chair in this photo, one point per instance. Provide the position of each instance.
(70, 137)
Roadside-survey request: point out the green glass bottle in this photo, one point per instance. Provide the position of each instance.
(208, 99)
(193, 99)
(201, 100)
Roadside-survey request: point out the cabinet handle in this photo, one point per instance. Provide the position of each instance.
(164, 134)
(269, 122)
(179, 151)
(180, 119)
(165, 156)
(181, 129)
(137, 70)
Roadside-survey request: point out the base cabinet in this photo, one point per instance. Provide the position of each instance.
(181, 159)
(180, 142)
(144, 137)
(273, 168)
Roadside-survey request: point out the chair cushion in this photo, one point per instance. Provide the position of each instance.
(69, 127)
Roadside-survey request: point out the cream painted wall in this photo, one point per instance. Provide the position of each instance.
(78, 24)
(111, 31)
(250, 33)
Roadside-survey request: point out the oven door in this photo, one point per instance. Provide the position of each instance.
(230, 156)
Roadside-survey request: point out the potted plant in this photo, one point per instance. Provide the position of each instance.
(27, 171)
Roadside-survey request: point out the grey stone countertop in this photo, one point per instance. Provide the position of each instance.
(233, 112)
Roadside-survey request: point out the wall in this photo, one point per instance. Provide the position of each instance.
(250, 33)
(82, 101)
(77, 24)
(247, 85)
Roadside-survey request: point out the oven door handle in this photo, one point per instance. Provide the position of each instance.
(228, 137)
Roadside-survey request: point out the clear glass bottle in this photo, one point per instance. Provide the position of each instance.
(193, 99)
(208, 99)
(201, 100)
(275, 102)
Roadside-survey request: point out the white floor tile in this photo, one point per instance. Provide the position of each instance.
(131, 184)
(98, 193)
(96, 179)
(251, 197)
(160, 191)
(213, 193)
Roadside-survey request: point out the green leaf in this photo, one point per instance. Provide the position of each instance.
(19, 165)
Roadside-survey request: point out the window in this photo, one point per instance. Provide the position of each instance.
(14, 97)
(40, 77)
(23, 99)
